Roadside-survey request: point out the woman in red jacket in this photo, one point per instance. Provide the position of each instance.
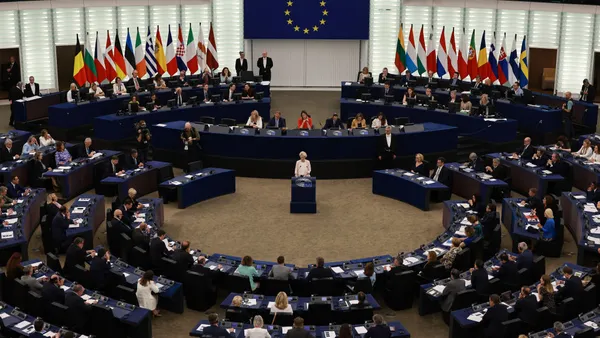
(305, 121)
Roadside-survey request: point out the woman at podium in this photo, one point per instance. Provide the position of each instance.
(302, 166)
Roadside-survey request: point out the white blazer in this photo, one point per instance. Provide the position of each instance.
(302, 168)
(259, 123)
(145, 297)
(585, 153)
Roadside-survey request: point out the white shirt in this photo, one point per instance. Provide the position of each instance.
(302, 168)
(258, 122)
(377, 124)
(587, 153)
(46, 142)
(119, 89)
(257, 332)
(231, 95)
(145, 297)
(70, 96)
(274, 309)
(98, 91)
(437, 173)
(265, 62)
(595, 157)
(388, 139)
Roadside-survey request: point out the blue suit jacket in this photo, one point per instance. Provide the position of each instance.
(14, 192)
(281, 122)
(216, 331)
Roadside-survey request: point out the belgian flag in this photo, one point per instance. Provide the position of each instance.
(78, 65)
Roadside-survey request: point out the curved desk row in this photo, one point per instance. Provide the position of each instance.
(198, 186)
(88, 212)
(583, 222)
(144, 180)
(407, 187)
(22, 224)
(111, 127)
(467, 182)
(487, 130)
(34, 109)
(21, 323)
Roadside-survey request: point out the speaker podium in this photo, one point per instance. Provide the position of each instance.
(304, 195)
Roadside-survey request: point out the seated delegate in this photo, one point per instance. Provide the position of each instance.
(333, 122)
(379, 122)
(410, 94)
(364, 74)
(255, 120)
(247, 93)
(420, 167)
(62, 155)
(359, 121)
(277, 121)
(247, 269)
(585, 150)
(305, 121)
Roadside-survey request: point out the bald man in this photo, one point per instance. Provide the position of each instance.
(118, 223)
(526, 152)
(264, 65)
(182, 256)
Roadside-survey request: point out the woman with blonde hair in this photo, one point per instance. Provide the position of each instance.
(419, 167)
(548, 229)
(236, 301)
(585, 150)
(302, 166)
(255, 121)
(359, 121)
(257, 331)
(281, 304)
(546, 293)
(46, 139)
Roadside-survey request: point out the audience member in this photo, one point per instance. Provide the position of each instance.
(100, 268)
(571, 287)
(277, 121)
(333, 122)
(257, 331)
(526, 307)
(359, 122)
(78, 308)
(30, 281)
(280, 271)
(46, 139)
(62, 155)
(215, 331)
(158, 248)
(298, 331)
(305, 121)
(495, 315)
(60, 225)
(76, 256)
(146, 293)
(507, 272)
(450, 256)
(247, 269)
(255, 121)
(479, 278)
(545, 292)
(14, 268)
(379, 330)
(454, 286)
(30, 147)
(52, 292)
(182, 256)
(281, 304)
(15, 190)
(420, 167)
(428, 271)
(319, 271)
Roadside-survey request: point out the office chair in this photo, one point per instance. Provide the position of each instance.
(321, 286)
(81, 276)
(207, 119)
(20, 290)
(589, 297)
(320, 314)
(126, 295)
(125, 244)
(271, 286)
(588, 332)
(538, 268)
(200, 293)
(364, 285)
(238, 284)
(512, 328)
(399, 293)
(57, 314)
(356, 316)
(282, 319)
(545, 319)
(462, 262)
(568, 309)
(139, 258)
(53, 263)
(170, 269)
(195, 166)
(35, 304)
(104, 324)
(112, 280)
(464, 299)
(240, 315)
(228, 121)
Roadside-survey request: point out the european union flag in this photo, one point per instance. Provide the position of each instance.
(306, 19)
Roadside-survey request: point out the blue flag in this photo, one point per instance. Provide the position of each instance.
(306, 19)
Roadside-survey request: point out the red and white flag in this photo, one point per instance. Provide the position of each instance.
(212, 60)
(452, 56)
(109, 64)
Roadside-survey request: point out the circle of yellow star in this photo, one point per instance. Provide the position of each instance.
(325, 12)
(287, 12)
(322, 3)
(290, 21)
(322, 22)
(296, 28)
(305, 30)
(315, 28)
(290, 3)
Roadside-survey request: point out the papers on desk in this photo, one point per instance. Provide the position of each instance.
(420, 178)
(439, 288)
(78, 210)
(359, 273)
(121, 175)
(467, 283)
(595, 231)
(126, 274)
(465, 221)
(461, 231)
(8, 235)
(448, 242)
(547, 172)
(410, 260)
(161, 125)
(347, 83)
(175, 183)
(409, 174)
(168, 245)
(285, 329)
(591, 324)
(439, 251)
(579, 197)
(51, 334)
(507, 306)
(85, 297)
(494, 120)
(354, 302)
(19, 161)
(429, 182)
(464, 205)
(595, 240)
(4, 315)
(201, 327)
(476, 317)
(329, 334)
(189, 177)
(84, 199)
(11, 220)
(65, 167)
(74, 225)
(360, 329)
(590, 207)
(531, 165)
(337, 269)
(22, 324)
(531, 226)
(158, 285)
(96, 155)
(4, 168)
(250, 302)
(146, 205)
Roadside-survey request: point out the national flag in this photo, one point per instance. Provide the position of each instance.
(472, 65)
(513, 63)
(493, 61)
(171, 61)
(442, 57)
(118, 58)
(150, 58)
(201, 51)
(503, 63)
(452, 56)
(212, 59)
(159, 52)
(129, 56)
(99, 61)
(180, 54)
(78, 65)
(411, 52)
(400, 52)
(140, 59)
(109, 56)
(190, 53)
(431, 59)
(421, 54)
(88, 60)
(463, 56)
(482, 65)
(524, 69)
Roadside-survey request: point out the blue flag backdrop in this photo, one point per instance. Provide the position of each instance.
(306, 19)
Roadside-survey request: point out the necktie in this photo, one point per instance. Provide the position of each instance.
(114, 168)
(437, 174)
(277, 123)
(137, 86)
(135, 162)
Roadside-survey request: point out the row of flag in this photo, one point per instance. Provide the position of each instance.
(96, 65)
(493, 64)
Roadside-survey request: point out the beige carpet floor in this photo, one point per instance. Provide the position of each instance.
(350, 223)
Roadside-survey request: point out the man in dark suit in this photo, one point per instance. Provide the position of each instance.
(8, 153)
(588, 92)
(132, 162)
(182, 256)
(525, 258)
(228, 94)
(474, 162)
(135, 82)
(31, 88)
(384, 76)
(379, 330)
(560, 330)
(455, 82)
(205, 95)
(319, 271)
(14, 189)
(119, 224)
(489, 222)
(557, 166)
(441, 173)
(60, 224)
(387, 90)
(264, 65)
(38, 326)
(158, 249)
(51, 291)
(496, 170)
(507, 272)
(76, 256)
(479, 278)
(113, 167)
(14, 93)
(526, 307)
(86, 148)
(214, 330)
(182, 80)
(141, 236)
(241, 64)
(386, 149)
(128, 212)
(79, 310)
(13, 72)
(454, 286)
(298, 331)
(572, 286)
(277, 121)
(100, 268)
(404, 80)
(593, 193)
(333, 122)
(396, 268)
(494, 317)
(526, 152)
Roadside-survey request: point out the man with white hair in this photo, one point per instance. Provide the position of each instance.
(525, 258)
(88, 151)
(496, 170)
(264, 65)
(386, 149)
(474, 162)
(31, 88)
(8, 153)
(190, 138)
(526, 152)
(567, 115)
